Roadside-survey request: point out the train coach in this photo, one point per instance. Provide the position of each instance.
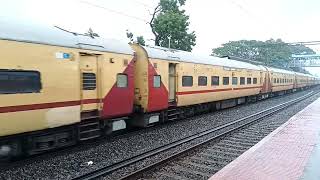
(58, 87)
(172, 84)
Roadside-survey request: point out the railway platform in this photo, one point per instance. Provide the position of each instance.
(290, 152)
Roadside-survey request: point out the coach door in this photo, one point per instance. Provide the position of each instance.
(172, 82)
(89, 89)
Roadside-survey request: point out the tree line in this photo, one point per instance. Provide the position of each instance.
(170, 27)
(271, 52)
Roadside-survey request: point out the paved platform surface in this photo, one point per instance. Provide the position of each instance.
(290, 152)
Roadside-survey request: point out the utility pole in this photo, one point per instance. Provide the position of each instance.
(169, 37)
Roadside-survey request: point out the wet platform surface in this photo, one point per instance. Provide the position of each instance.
(292, 152)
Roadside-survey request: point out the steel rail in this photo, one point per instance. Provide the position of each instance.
(135, 159)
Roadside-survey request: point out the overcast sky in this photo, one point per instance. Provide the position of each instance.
(214, 21)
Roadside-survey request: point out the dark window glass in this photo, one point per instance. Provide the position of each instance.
(187, 81)
(122, 80)
(242, 81)
(255, 80)
(89, 81)
(274, 80)
(15, 82)
(225, 80)
(248, 80)
(156, 81)
(215, 80)
(234, 80)
(202, 81)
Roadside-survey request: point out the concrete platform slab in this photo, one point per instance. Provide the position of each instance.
(290, 152)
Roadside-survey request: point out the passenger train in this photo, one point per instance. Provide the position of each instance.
(58, 88)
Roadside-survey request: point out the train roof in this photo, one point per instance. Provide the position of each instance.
(41, 34)
(183, 56)
(283, 71)
(302, 74)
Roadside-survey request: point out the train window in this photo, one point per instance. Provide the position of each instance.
(88, 81)
(255, 81)
(15, 82)
(225, 80)
(187, 81)
(234, 80)
(122, 80)
(242, 81)
(248, 80)
(214, 80)
(156, 81)
(202, 81)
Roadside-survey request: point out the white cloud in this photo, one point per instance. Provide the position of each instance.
(215, 22)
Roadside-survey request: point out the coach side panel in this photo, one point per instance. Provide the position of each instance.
(42, 87)
(213, 83)
(282, 82)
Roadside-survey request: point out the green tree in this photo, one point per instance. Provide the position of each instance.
(139, 39)
(129, 35)
(170, 25)
(270, 52)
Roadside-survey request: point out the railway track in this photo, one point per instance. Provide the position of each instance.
(83, 146)
(181, 147)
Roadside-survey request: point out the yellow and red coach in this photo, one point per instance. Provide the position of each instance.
(58, 86)
(172, 84)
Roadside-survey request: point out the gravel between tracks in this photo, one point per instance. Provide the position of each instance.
(71, 164)
(206, 161)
